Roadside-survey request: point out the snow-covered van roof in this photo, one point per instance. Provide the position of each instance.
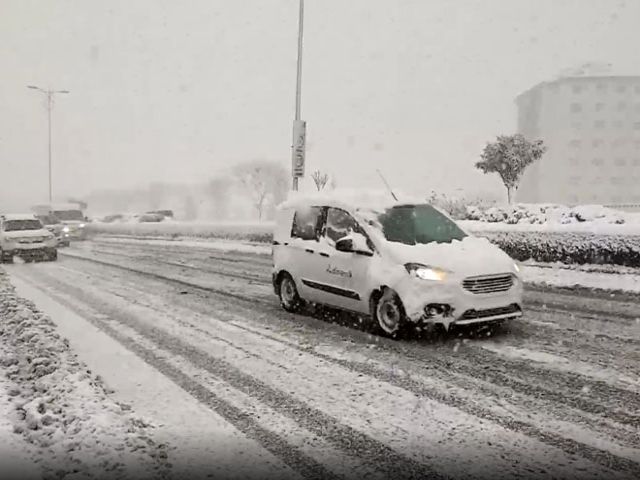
(349, 199)
(18, 216)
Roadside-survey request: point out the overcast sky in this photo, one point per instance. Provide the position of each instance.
(175, 91)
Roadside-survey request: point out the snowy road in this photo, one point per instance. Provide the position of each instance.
(315, 396)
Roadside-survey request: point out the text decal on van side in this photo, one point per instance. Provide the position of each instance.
(337, 271)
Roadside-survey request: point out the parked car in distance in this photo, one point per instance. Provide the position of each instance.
(400, 264)
(150, 217)
(25, 236)
(164, 213)
(55, 226)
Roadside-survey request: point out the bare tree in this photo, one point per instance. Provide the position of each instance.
(320, 179)
(264, 181)
(219, 188)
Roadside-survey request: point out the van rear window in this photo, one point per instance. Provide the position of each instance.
(306, 223)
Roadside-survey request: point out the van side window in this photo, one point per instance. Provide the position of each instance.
(340, 223)
(306, 223)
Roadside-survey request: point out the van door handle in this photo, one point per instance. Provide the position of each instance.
(322, 254)
(308, 250)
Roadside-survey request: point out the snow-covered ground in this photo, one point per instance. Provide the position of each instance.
(60, 413)
(556, 394)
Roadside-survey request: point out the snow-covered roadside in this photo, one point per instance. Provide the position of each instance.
(555, 276)
(63, 415)
(601, 277)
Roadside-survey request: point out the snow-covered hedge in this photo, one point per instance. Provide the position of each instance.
(569, 247)
(61, 408)
(544, 214)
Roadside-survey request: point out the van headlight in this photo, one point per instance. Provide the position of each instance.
(81, 225)
(426, 272)
(65, 229)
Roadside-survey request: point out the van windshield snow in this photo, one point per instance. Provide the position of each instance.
(418, 224)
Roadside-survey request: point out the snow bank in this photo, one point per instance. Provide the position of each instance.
(61, 409)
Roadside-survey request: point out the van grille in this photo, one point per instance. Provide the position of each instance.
(488, 283)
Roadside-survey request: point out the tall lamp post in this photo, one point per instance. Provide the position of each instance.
(299, 126)
(49, 94)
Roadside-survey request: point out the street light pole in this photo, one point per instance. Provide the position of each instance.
(299, 127)
(49, 93)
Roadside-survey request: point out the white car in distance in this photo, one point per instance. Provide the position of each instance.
(401, 264)
(25, 236)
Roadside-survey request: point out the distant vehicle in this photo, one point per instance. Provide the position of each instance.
(23, 235)
(55, 226)
(150, 217)
(113, 218)
(73, 219)
(399, 264)
(164, 213)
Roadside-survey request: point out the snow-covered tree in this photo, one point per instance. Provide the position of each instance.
(509, 156)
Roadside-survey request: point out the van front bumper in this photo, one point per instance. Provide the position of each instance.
(449, 302)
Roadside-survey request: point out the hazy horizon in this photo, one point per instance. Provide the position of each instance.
(161, 92)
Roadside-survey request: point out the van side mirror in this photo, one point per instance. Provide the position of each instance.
(354, 243)
(344, 245)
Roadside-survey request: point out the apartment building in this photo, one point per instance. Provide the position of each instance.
(591, 126)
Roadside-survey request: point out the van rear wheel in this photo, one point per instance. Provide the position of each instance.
(288, 293)
(388, 313)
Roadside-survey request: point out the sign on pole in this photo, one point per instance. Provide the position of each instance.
(298, 153)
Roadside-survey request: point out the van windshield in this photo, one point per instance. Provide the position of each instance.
(418, 224)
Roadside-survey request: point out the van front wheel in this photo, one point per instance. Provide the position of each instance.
(388, 313)
(288, 293)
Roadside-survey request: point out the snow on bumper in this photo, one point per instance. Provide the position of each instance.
(449, 302)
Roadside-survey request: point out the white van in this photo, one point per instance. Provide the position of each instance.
(399, 263)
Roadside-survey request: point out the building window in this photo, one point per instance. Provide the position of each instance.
(616, 180)
(574, 161)
(597, 143)
(597, 161)
(599, 124)
(576, 108)
(576, 125)
(618, 124)
(622, 106)
(637, 89)
(596, 181)
(636, 126)
(576, 88)
(636, 107)
(618, 142)
(599, 106)
(621, 88)
(620, 162)
(636, 162)
(575, 143)
(575, 180)
(601, 88)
